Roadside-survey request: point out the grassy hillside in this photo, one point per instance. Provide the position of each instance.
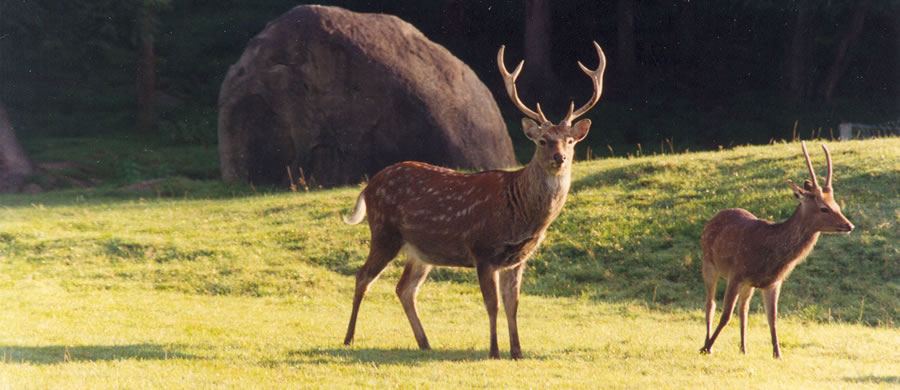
(631, 228)
(630, 231)
(101, 284)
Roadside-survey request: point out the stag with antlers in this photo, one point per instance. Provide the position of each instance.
(751, 253)
(491, 221)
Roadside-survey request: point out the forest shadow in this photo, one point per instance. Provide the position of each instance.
(60, 354)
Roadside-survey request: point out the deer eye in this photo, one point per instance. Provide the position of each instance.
(570, 141)
(824, 209)
(542, 142)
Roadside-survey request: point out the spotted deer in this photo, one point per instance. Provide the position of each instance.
(491, 221)
(752, 253)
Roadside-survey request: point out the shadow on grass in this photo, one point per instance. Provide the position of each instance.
(393, 356)
(60, 354)
(874, 379)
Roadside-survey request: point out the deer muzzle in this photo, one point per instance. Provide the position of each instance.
(559, 158)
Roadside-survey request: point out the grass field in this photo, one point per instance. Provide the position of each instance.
(215, 286)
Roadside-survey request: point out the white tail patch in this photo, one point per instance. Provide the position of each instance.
(359, 212)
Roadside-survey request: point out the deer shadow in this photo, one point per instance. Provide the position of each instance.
(392, 356)
(61, 354)
(874, 379)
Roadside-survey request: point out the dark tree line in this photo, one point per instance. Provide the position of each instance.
(704, 72)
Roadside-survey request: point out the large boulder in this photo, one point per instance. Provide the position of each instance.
(342, 95)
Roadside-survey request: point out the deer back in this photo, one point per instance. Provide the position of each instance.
(747, 248)
(451, 218)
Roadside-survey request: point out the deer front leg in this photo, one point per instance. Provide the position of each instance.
(731, 292)
(510, 281)
(487, 278)
(413, 276)
(744, 306)
(770, 297)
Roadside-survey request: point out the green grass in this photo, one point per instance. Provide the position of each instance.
(217, 286)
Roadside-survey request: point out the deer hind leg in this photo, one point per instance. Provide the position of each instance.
(770, 298)
(383, 248)
(710, 281)
(487, 278)
(413, 276)
(731, 292)
(744, 296)
(510, 281)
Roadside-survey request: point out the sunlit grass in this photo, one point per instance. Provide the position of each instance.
(140, 339)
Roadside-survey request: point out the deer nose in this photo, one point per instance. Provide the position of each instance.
(848, 227)
(559, 158)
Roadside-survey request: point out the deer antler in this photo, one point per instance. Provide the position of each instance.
(597, 77)
(812, 172)
(827, 178)
(509, 79)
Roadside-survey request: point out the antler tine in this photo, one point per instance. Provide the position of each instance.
(812, 173)
(828, 160)
(509, 80)
(541, 114)
(597, 78)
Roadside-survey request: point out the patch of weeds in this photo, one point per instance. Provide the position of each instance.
(343, 261)
(216, 288)
(118, 248)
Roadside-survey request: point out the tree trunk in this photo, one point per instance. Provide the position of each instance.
(540, 81)
(15, 165)
(146, 74)
(795, 67)
(626, 58)
(842, 55)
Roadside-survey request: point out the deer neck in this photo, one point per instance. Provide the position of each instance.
(541, 195)
(794, 238)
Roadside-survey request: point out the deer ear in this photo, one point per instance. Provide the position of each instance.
(807, 185)
(580, 129)
(532, 130)
(799, 193)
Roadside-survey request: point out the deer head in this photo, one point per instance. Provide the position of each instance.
(817, 204)
(555, 143)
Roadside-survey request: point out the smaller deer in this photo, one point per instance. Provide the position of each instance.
(752, 253)
(492, 221)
